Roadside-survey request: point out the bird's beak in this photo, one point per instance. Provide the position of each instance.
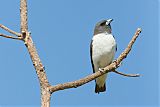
(109, 21)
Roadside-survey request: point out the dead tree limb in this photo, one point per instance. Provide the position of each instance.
(126, 75)
(44, 84)
(46, 88)
(9, 30)
(109, 68)
(23, 15)
(10, 37)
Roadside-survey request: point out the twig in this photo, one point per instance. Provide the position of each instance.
(127, 75)
(10, 37)
(128, 49)
(9, 30)
(107, 69)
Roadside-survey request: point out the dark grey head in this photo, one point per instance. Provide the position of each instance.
(103, 27)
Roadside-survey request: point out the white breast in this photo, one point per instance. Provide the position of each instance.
(103, 50)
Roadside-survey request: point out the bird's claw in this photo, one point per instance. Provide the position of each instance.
(101, 69)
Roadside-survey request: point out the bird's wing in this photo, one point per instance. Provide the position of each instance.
(116, 44)
(91, 57)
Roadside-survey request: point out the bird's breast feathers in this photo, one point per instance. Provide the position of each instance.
(104, 48)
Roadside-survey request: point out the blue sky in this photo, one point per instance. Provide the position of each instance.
(62, 31)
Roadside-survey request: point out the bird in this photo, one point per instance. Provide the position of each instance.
(102, 51)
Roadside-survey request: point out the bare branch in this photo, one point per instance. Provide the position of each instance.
(9, 30)
(127, 75)
(93, 76)
(23, 12)
(128, 49)
(40, 71)
(11, 37)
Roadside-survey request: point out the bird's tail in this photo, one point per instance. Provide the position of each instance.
(100, 89)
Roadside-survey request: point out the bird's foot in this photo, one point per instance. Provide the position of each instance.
(101, 69)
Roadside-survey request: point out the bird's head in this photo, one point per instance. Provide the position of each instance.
(103, 27)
